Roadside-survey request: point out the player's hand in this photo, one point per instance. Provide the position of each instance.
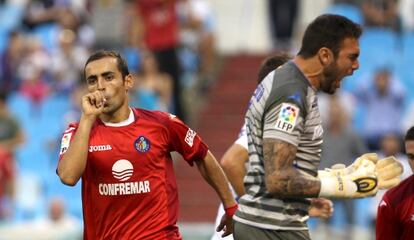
(93, 104)
(226, 225)
(356, 182)
(321, 208)
(389, 172)
(388, 169)
(342, 169)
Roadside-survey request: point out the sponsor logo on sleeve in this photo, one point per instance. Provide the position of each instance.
(64, 145)
(258, 93)
(288, 115)
(142, 144)
(189, 137)
(295, 97)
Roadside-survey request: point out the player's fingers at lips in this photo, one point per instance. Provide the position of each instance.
(98, 98)
(92, 99)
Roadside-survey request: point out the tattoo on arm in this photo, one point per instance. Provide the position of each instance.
(282, 178)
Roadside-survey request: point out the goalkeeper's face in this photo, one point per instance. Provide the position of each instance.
(409, 149)
(343, 65)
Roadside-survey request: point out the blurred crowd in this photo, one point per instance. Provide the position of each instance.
(170, 49)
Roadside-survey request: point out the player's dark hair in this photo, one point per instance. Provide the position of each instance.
(409, 136)
(328, 30)
(270, 64)
(122, 65)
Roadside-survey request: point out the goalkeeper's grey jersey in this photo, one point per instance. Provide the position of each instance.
(284, 106)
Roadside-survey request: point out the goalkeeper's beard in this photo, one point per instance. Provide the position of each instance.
(330, 74)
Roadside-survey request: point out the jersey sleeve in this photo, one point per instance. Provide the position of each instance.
(387, 225)
(186, 141)
(67, 138)
(285, 112)
(242, 138)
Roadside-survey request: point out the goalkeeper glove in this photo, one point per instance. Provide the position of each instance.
(389, 172)
(342, 169)
(388, 169)
(357, 181)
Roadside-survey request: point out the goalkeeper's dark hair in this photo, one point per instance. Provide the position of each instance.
(409, 136)
(121, 63)
(270, 64)
(328, 30)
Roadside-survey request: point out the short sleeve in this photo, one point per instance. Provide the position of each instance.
(285, 112)
(67, 138)
(185, 141)
(242, 138)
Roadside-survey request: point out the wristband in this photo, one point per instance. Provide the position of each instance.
(231, 210)
(329, 186)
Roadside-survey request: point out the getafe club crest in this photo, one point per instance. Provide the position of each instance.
(142, 144)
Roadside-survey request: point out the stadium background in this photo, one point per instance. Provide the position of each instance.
(43, 46)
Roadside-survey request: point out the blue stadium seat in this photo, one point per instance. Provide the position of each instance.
(54, 188)
(48, 35)
(11, 15)
(405, 73)
(408, 46)
(133, 58)
(350, 11)
(379, 48)
(29, 200)
(20, 107)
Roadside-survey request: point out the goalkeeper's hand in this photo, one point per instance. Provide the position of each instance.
(388, 169)
(357, 181)
(389, 172)
(342, 169)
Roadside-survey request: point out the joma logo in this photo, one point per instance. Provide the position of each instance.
(99, 148)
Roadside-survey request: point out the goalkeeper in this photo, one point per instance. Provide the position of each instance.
(284, 134)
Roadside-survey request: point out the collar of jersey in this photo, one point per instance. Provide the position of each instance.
(304, 78)
(126, 122)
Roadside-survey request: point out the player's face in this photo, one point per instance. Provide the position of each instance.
(344, 65)
(409, 149)
(103, 75)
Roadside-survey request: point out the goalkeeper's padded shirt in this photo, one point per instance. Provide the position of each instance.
(284, 107)
(395, 217)
(129, 189)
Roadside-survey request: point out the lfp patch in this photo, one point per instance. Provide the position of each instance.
(142, 144)
(64, 145)
(287, 117)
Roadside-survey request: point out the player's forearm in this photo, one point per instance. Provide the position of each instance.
(214, 175)
(290, 183)
(235, 174)
(282, 178)
(73, 162)
(233, 164)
